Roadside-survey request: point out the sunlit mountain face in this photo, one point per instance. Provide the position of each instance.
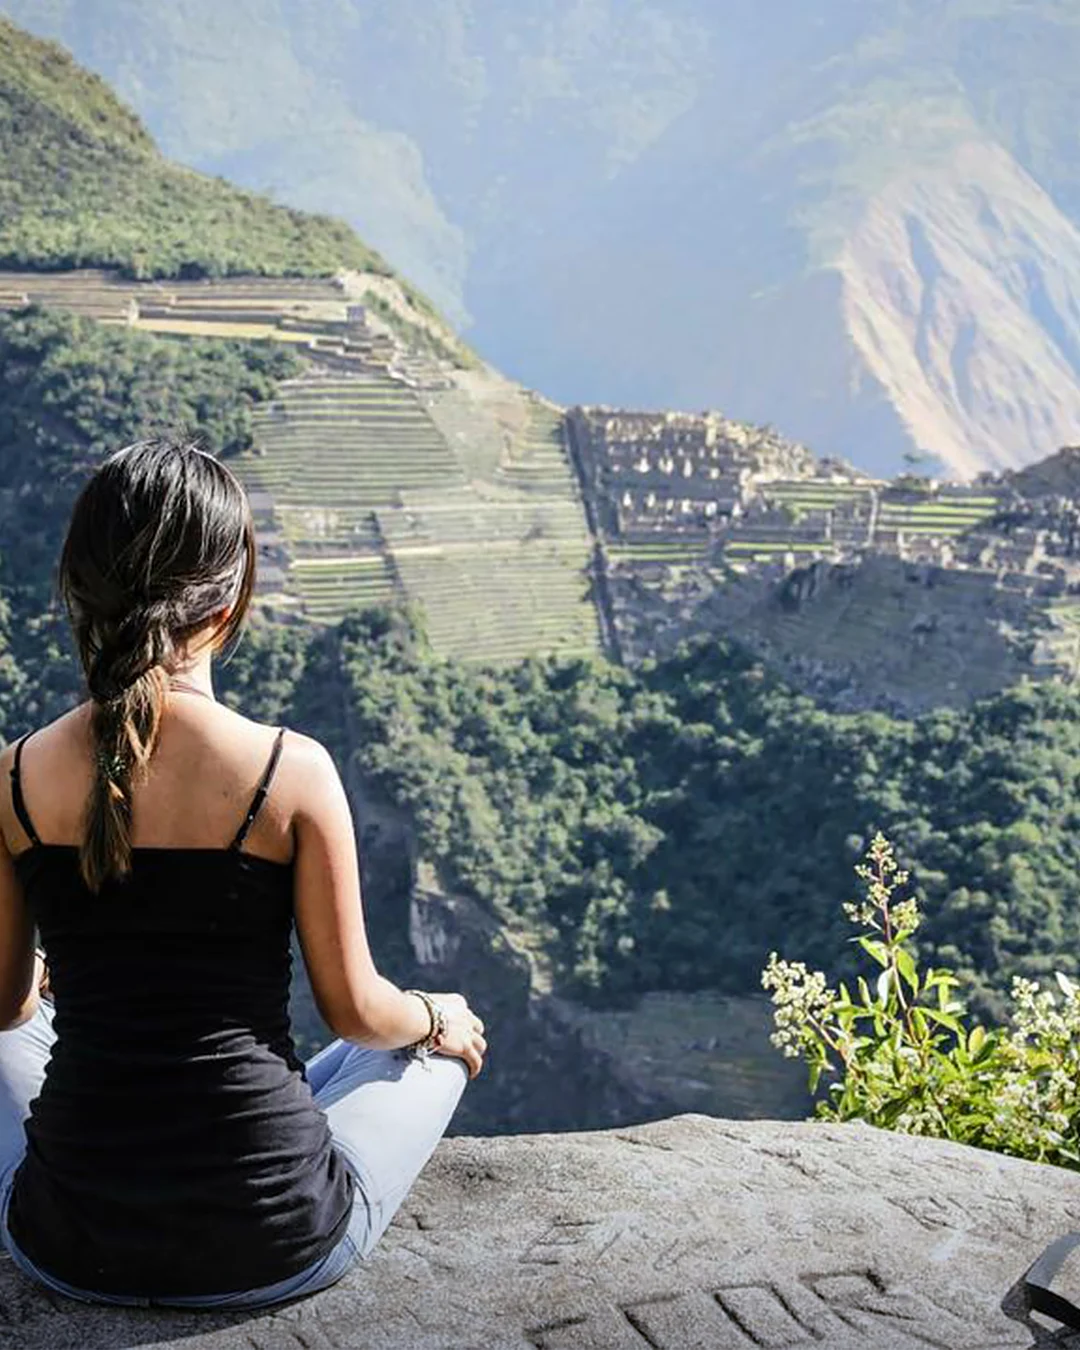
(857, 221)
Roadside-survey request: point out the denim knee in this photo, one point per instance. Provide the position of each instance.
(327, 1271)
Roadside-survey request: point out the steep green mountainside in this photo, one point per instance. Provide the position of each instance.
(71, 390)
(83, 184)
(857, 220)
(390, 461)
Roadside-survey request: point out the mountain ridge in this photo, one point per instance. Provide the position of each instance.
(85, 185)
(666, 181)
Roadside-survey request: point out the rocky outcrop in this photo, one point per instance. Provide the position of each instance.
(541, 1072)
(693, 1233)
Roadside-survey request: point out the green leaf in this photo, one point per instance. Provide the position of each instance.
(887, 1115)
(905, 963)
(875, 949)
(883, 981)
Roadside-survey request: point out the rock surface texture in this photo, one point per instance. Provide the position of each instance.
(693, 1233)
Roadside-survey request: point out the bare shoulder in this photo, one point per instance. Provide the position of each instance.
(306, 765)
(304, 752)
(311, 793)
(49, 733)
(59, 726)
(46, 735)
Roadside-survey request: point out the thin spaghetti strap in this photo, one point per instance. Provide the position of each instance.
(17, 800)
(260, 791)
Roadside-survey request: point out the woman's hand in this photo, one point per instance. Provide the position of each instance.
(41, 973)
(464, 1032)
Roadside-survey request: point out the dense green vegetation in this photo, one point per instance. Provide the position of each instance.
(665, 828)
(71, 391)
(900, 1050)
(84, 185)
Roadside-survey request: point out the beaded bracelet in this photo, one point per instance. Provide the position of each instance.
(43, 988)
(423, 1047)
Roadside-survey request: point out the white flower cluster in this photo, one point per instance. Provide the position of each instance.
(905, 914)
(799, 994)
(1037, 1015)
(1017, 1091)
(1038, 1099)
(883, 879)
(859, 911)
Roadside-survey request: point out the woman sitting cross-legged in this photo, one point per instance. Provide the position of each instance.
(160, 1140)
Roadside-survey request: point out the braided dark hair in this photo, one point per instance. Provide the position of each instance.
(161, 539)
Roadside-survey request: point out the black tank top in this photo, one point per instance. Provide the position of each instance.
(175, 1147)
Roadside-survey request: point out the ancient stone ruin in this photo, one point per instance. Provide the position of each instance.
(708, 525)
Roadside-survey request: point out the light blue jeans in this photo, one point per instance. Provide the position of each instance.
(386, 1113)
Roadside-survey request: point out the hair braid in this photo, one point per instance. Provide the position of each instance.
(127, 681)
(161, 540)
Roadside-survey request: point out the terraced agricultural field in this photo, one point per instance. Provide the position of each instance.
(944, 515)
(211, 326)
(670, 550)
(709, 1051)
(233, 307)
(539, 463)
(346, 441)
(328, 451)
(497, 581)
(803, 495)
(768, 550)
(470, 429)
(372, 501)
(329, 587)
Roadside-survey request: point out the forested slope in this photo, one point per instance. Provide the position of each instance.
(72, 390)
(666, 828)
(83, 184)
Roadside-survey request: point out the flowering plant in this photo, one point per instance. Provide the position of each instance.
(903, 1056)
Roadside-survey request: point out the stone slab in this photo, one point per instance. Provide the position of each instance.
(692, 1233)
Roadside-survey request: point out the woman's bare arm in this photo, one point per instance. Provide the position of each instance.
(356, 1002)
(20, 969)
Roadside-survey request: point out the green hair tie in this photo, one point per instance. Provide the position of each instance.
(112, 766)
